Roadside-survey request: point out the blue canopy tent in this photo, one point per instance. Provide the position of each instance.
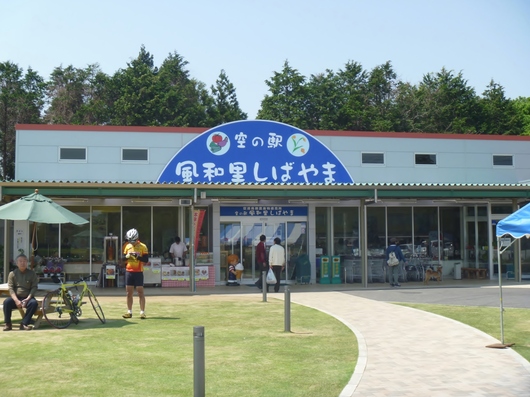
(516, 225)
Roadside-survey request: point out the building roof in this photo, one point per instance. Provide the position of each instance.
(343, 191)
(198, 130)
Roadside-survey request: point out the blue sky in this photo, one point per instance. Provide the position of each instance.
(250, 40)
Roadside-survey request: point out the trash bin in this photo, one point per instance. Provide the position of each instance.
(458, 271)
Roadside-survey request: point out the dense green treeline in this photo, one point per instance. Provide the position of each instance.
(351, 98)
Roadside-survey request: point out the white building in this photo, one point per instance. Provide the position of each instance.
(340, 194)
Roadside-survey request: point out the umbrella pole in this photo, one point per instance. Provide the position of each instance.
(32, 258)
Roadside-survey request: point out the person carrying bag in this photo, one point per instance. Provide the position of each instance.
(261, 261)
(394, 257)
(271, 278)
(277, 261)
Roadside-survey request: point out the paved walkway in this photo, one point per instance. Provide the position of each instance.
(408, 352)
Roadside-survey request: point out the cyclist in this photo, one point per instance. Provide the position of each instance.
(136, 255)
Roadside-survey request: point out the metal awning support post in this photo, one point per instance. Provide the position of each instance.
(192, 250)
(500, 287)
(499, 252)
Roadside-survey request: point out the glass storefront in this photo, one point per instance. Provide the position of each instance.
(428, 235)
(241, 238)
(82, 245)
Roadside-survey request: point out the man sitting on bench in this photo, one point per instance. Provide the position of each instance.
(23, 283)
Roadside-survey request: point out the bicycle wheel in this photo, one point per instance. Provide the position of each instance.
(96, 306)
(56, 310)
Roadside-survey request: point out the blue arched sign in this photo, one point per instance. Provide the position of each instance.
(256, 151)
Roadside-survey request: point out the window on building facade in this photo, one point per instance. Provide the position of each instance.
(82, 244)
(431, 233)
(373, 158)
(345, 231)
(425, 159)
(399, 225)
(73, 242)
(106, 221)
(323, 231)
(72, 154)
(376, 231)
(503, 160)
(425, 222)
(138, 218)
(450, 230)
(134, 155)
(166, 220)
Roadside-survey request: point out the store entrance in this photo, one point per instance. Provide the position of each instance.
(241, 238)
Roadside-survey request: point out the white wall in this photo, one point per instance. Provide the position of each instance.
(468, 160)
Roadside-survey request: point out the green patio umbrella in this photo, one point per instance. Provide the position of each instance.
(38, 209)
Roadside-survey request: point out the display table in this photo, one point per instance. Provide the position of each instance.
(153, 272)
(179, 276)
(48, 277)
(472, 272)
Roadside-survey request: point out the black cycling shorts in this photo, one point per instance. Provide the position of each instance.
(135, 279)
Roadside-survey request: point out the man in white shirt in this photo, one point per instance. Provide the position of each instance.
(178, 252)
(277, 261)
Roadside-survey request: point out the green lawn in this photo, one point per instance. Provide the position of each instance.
(247, 352)
(487, 319)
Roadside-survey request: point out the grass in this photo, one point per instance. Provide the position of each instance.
(487, 319)
(247, 352)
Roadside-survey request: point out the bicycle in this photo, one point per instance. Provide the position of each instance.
(62, 307)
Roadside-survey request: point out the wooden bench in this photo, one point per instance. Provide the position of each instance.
(38, 313)
(473, 272)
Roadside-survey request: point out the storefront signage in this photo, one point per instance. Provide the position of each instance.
(110, 272)
(256, 151)
(182, 273)
(263, 210)
(198, 217)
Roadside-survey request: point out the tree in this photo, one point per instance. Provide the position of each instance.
(448, 104)
(132, 92)
(323, 101)
(381, 93)
(143, 94)
(226, 106)
(408, 108)
(522, 106)
(287, 101)
(99, 103)
(76, 96)
(499, 115)
(181, 100)
(21, 101)
(352, 112)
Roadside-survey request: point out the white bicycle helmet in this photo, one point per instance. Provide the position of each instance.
(132, 235)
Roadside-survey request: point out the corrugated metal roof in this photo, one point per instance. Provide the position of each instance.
(258, 184)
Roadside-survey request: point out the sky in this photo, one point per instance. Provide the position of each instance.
(252, 39)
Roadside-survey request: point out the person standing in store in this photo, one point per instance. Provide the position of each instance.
(136, 255)
(261, 261)
(178, 252)
(277, 261)
(393, 271)
(22, 283)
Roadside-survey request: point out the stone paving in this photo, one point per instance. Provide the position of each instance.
(408, 352)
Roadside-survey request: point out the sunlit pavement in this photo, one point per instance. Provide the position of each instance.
(408, 352)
